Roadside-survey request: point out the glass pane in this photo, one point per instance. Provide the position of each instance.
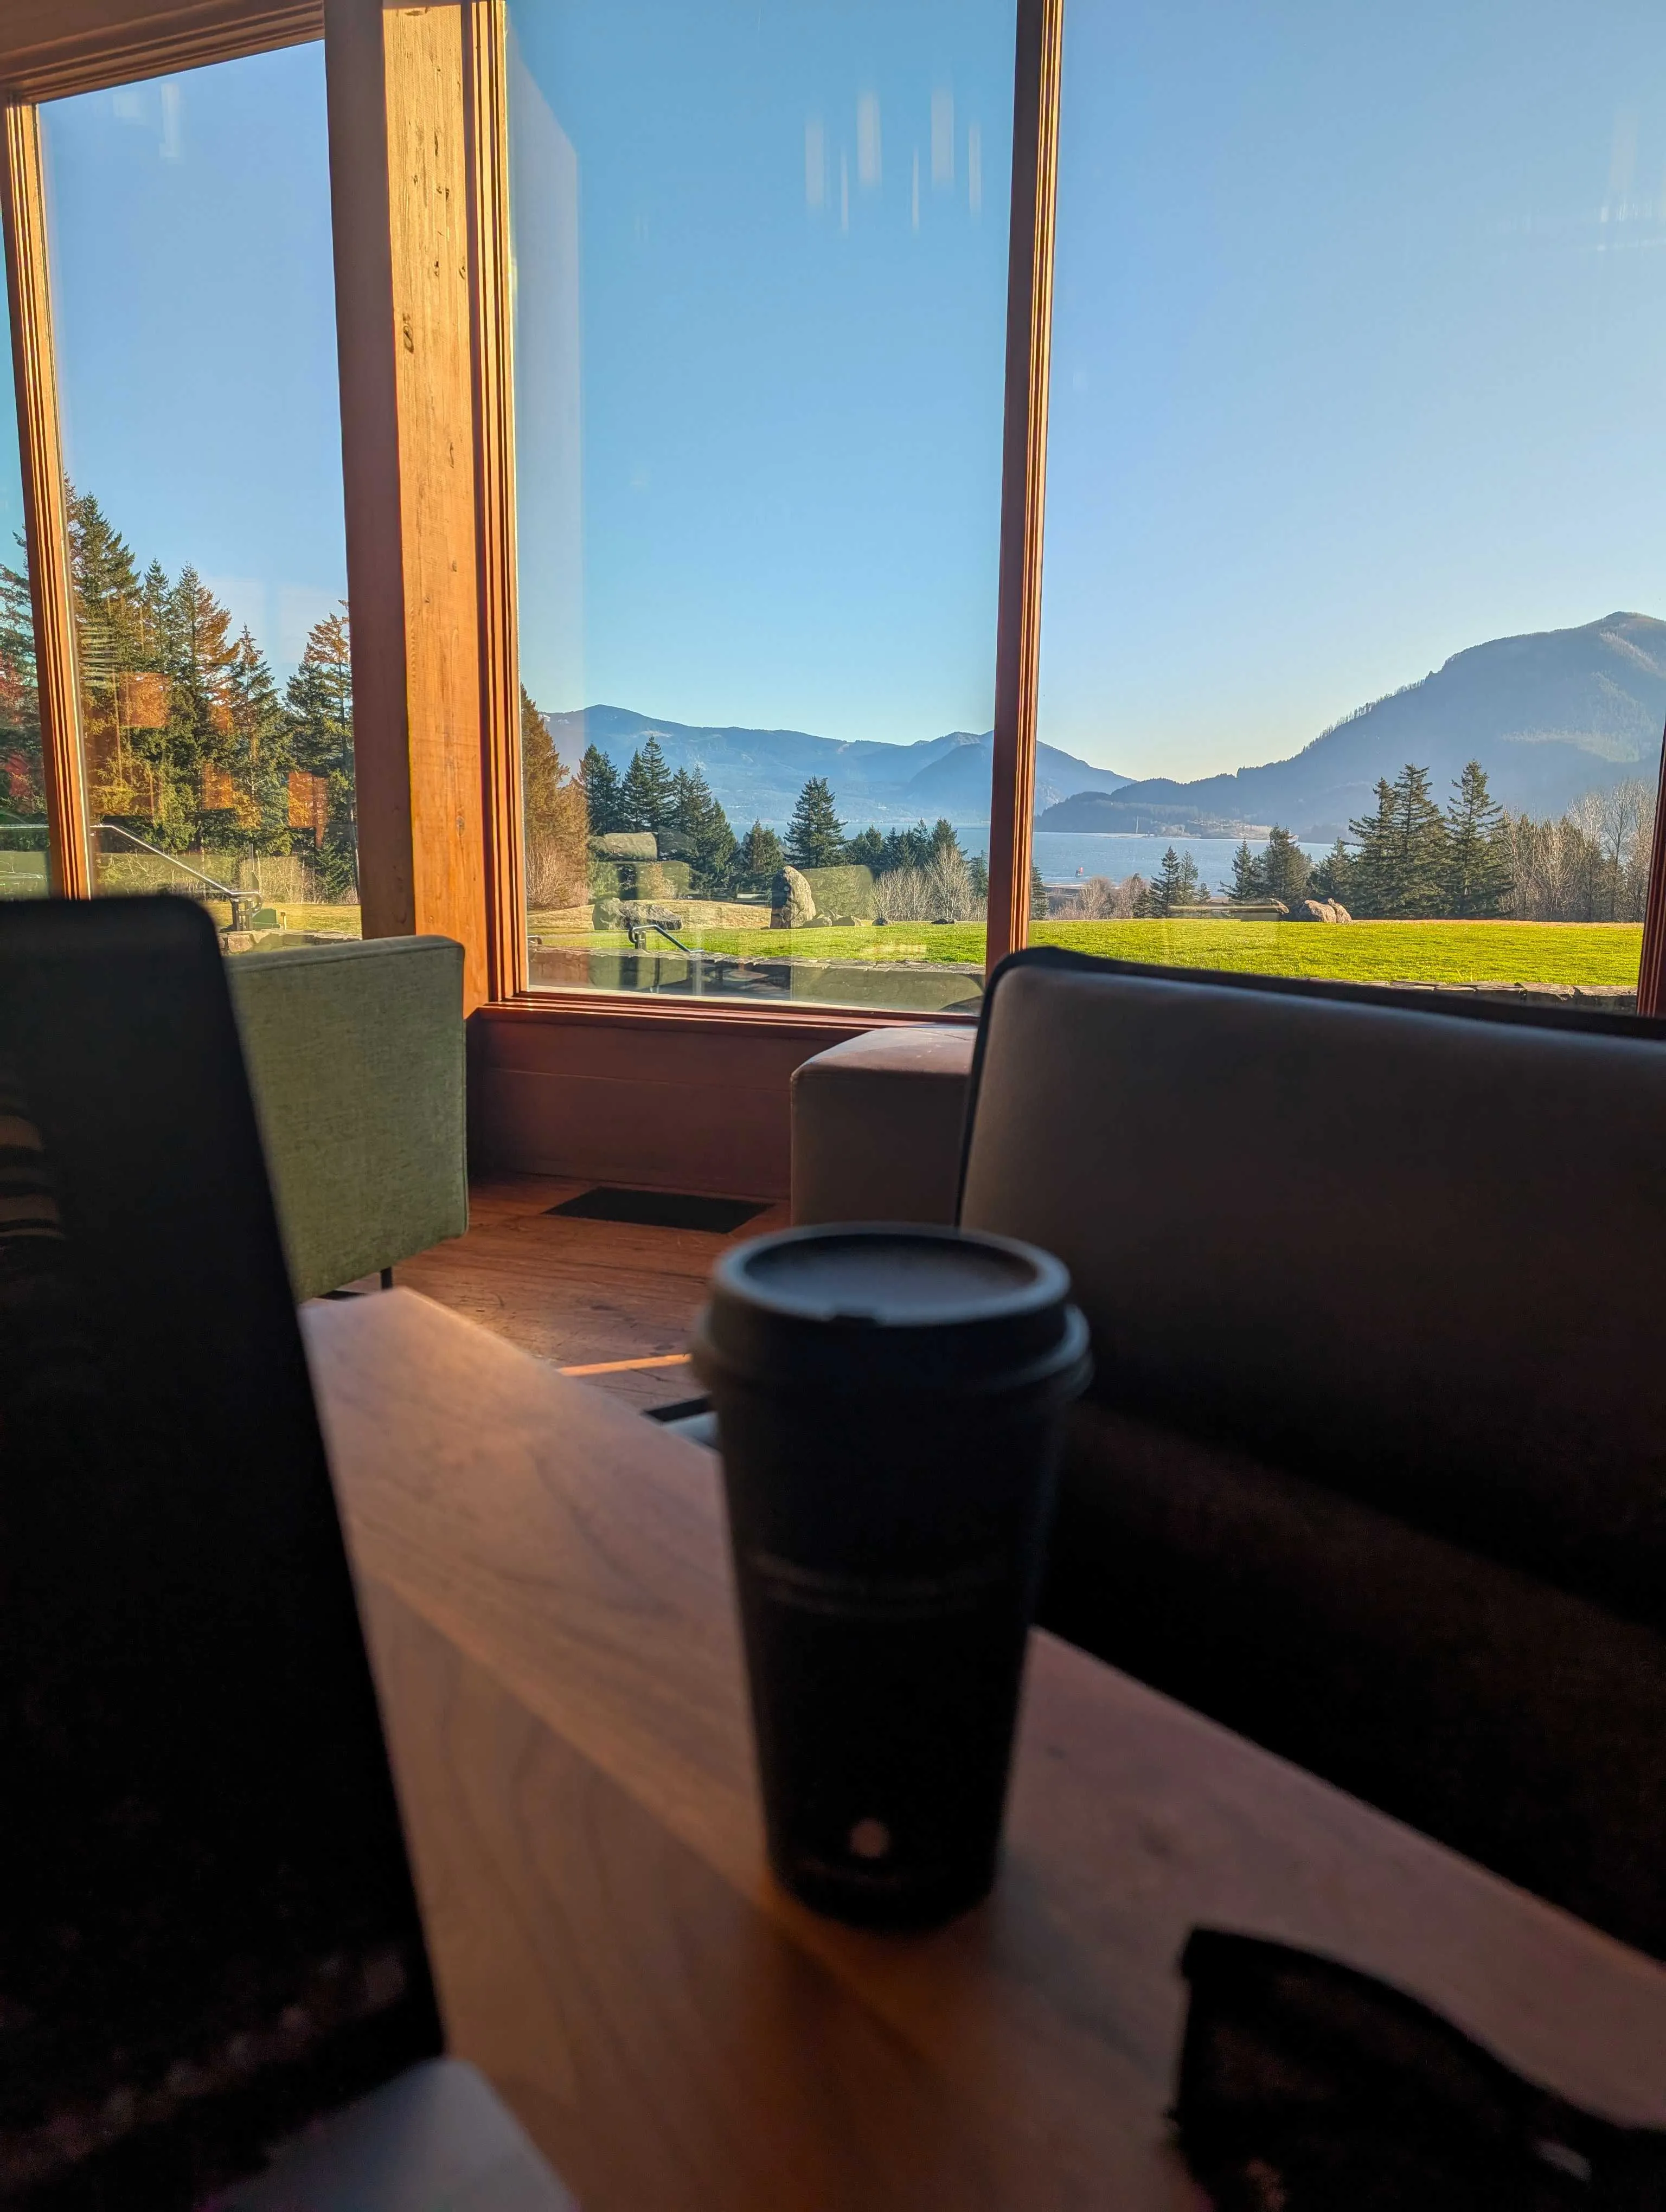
(194, 311)
(22, 792)
(761, 277)
(1355, 571)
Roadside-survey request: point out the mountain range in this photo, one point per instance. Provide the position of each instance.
(1550, 716)
(757, 775)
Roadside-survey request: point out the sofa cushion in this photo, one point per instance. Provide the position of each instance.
(355, 1060)
(877, 1125)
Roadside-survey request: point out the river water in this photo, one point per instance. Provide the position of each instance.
(1066, 856)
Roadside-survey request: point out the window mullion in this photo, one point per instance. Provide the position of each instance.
(46, 534)
(1024, 467)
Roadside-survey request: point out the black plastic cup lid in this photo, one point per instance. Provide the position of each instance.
(889, 1307)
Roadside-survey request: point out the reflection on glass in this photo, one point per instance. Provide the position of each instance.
(22, 791)
(1355, 583)
(194, 323)
(760, 263)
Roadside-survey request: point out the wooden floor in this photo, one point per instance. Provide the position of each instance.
(580, 1294)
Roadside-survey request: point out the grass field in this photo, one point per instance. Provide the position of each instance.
(1360, 951)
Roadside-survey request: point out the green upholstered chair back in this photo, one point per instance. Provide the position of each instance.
(355, 1058)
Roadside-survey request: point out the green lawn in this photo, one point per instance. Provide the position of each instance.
(1373, 952)
(1360, 951)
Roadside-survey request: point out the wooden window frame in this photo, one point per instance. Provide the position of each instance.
(419, 168)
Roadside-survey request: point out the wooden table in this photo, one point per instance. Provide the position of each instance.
(543, 1576)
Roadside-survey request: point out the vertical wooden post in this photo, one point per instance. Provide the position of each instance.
(1024, 467)
(401, 175)
(1651, 968)
(500, 671)
(45, 518)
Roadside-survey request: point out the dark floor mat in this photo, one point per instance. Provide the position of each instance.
(660, 1209)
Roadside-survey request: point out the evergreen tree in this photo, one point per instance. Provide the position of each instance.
(867, 850)
(600, 780)
(815, 836)
(557, 817)
(906, 848)
(760, 858)
(22, 789)
(1175, 883)
(1373, 838)
(1285, 869)
(251, 797)
(1248, 878)
(319, 700)
(1478, 871)
(1039, 893)
(977, 874)
(1334, 877)
(707, 842)
(106, 586)
(647, 797)
(1402, 849)
(942, 838)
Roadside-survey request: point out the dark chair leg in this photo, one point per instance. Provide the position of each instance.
(387, 1278)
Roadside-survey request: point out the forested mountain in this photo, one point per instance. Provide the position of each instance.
(1550, 716)
(758, 774)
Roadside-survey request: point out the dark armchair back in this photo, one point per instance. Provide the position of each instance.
(1375, 1469)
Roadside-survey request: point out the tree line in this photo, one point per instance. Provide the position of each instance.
(187, 741)
(1410, 858)
(921, 873)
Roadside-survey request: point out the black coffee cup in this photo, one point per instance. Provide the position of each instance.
(889, 1404)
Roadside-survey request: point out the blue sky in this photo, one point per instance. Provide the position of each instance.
(1360, 324)
(194, 316)
(1360, 337)
(770, 244)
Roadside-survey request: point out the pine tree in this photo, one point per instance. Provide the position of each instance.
(760, 858)
(1176, 883)
(22, 789)
(106, 584)
(1285, 869)
(600, 780)
(1039, 893)
(943, 838)
(319, 700)
(1334, 877)
(557, 817)
(1402, 850)
(815, 836)
(1478, 871)
(254, 752)
(1373, 837)
(977, 874)
(647, 799)
(906, 848)
(867, 850)
(707, 842)
(1248, 878)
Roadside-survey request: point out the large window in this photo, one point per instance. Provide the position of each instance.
(760, 263)
(1355, 574)
(192, 301)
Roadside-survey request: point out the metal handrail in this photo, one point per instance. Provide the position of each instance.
(174, 861)
(638, 930)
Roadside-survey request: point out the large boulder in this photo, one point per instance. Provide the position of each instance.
(794, 902)
(1319, 910)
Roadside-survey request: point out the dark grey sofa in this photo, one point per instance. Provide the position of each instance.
(1374, 1470)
